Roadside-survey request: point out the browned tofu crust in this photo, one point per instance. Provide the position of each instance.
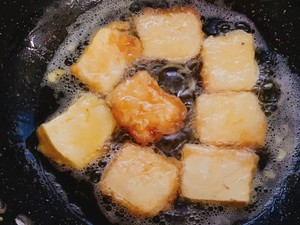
(120, 46)
(145, 110)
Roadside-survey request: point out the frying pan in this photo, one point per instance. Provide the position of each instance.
(31, 190)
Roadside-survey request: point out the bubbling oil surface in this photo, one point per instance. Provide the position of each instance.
(277, 89)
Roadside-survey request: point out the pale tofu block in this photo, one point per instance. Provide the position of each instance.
(76, 137)
(145, 110)
(230, 118)
(214, 174)
(229, 62)
(141, 180)
(173, 34)
(104, 61)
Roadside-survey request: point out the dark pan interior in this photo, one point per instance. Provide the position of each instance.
(26, 184)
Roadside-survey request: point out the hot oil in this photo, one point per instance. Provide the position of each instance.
(277, 90)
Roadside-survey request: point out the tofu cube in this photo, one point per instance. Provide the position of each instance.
(104, 61)
(173, 34)
(145, 110)
(141, 180)
(76, 137)
(230, 118)
(214, 174)
(229, 62)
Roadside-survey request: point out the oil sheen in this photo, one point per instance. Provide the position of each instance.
(277, 90)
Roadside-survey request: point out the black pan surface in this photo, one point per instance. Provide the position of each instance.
(28, 188)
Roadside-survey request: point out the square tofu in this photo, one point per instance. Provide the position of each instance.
(104, 61)
(214, 174)
(76, 137)
(145, 110)
(230, 118)
(229, 62)
(141, 180)
(173, 34)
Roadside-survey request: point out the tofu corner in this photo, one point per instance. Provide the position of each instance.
(76, 137)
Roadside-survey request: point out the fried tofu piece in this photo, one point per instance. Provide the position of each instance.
(229, 62)
(141, 180)
(173, 34)
(145, 110)
(215, 174)
(230, 118)
(104, 61)
(76, 137)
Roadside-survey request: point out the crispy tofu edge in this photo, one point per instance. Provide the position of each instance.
(131, 208)
(173, 99)
(75, 70)
(176, 9)
(122, 27)
(232, 203)
(256, 145)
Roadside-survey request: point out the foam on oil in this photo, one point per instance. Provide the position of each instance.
(281, 141)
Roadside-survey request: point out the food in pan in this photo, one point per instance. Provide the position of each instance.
(217, 174)
(174, 34)
(111, 51)
(76, 137)
(221, 127)
(145, 110)
(230, 118)
(229, 63)
(142, 180)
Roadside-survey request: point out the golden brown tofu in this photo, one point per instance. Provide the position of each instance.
(141, 180)
(104, 61)
(76, 137)
(144, 109)
(173, 34)
(230, 118)
(214, 174)
(229, 62)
